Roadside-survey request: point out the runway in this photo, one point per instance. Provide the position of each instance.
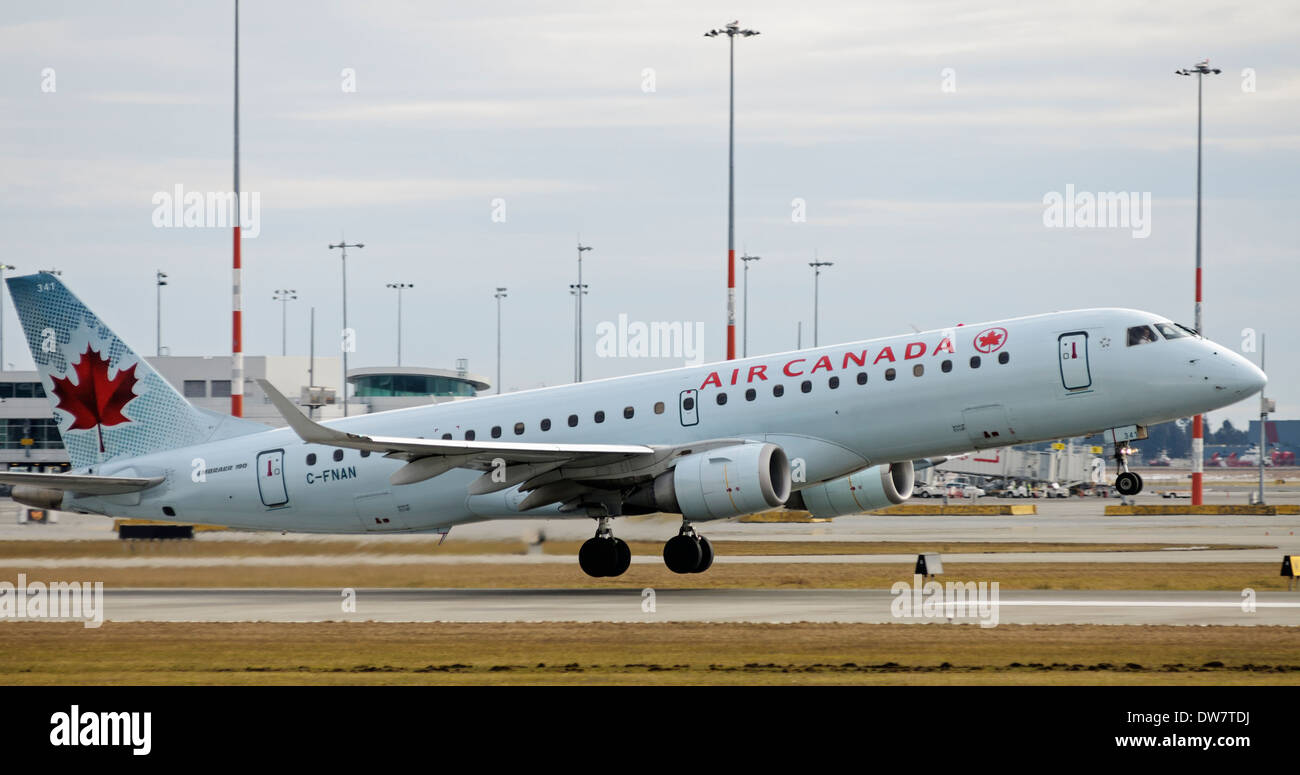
(726, 605)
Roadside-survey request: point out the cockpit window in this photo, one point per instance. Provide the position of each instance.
(1170, 331)
(1141, 335)
(1188, 331)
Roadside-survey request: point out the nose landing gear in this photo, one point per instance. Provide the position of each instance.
(604, 555)
(688, 552)
(1127, 483)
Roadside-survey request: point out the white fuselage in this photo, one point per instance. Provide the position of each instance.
(1040, 377)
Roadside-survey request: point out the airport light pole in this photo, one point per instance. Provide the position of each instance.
(731, 31)
(745, 336)
(499, 295)
(1265, 406)
(348, 340)
(160, 279)
(579, 291)
(1200, 70)
(3, 267)
(399, 287)
(284, 297)
(817, 273)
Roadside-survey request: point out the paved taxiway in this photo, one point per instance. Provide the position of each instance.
(723, 605)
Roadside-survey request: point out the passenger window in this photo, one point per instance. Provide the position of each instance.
(365, 453)
(918, 370)
(573, 421)
(311, 459)
(496, 431)
(890, 374)
(778, 390)
(659, 407)
(974, 361)
(519, 429)
(862, 378)
(1003, 357)
(806, 386)
(469, 435)
(338, 455)
(600, 416)
(446, 437)
(722, 399)
(688, 403)
(546, 424)
(833, 383)
(628, 412)
(1141, 335)
(751, 394)
(945, 367)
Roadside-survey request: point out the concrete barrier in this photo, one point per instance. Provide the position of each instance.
(118, 523)
(960, 509)
(1187, 508)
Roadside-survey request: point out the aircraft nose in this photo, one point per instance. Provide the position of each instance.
(1237, 376)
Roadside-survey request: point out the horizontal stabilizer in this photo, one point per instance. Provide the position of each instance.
(83, 484)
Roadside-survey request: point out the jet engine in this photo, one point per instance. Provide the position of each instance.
(723, 482)
(871, 488)
(37, 497)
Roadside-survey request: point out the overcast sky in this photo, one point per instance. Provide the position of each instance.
(921, 136)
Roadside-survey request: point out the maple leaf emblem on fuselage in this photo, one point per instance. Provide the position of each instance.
(95, 401)
(990, 340)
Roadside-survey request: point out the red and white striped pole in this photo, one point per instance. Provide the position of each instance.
(1200, 70)
(236, 312)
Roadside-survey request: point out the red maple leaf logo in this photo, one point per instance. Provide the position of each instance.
(95, 401)
(990, 340)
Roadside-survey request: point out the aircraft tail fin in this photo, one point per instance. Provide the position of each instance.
(108, 402)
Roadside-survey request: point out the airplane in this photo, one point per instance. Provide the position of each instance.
(833, 430)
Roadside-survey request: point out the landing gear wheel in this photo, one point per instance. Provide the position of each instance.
(622, 558)
(1128, 483)
(706, 555)
(682, 553)
(599, 557)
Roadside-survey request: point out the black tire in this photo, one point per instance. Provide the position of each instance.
(706, 555)
(924, 494)
(682, 554)
(597, 556)
(622, 558)
(1128, 483)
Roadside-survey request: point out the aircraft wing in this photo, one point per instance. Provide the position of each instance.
(552, 472)
(82, 483)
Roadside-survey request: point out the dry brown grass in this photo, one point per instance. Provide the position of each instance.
(354, 653)
(270, 547)
(1072, 576)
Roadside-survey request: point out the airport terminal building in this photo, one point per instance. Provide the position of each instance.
(29, 436)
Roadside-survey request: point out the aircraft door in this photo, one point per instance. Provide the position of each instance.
(1075, 371)
(688, 407)
(270, 478)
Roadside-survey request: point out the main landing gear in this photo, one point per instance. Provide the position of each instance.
(688, 552)
(1127, 483)
(605, 555)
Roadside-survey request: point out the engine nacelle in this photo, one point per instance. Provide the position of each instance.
(725, 482)
(37, 497)
(871, 488)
